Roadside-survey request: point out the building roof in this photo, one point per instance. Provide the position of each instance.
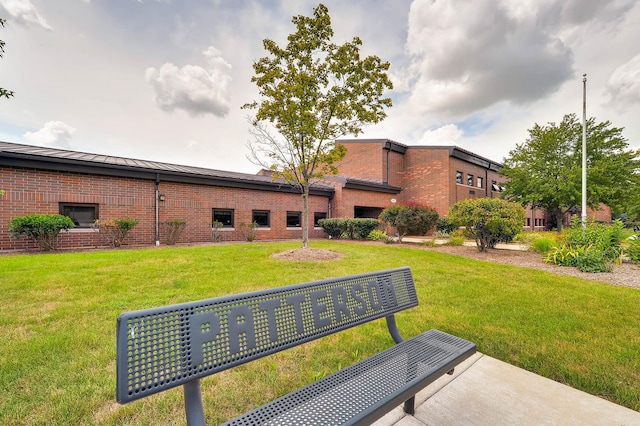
(45, 158)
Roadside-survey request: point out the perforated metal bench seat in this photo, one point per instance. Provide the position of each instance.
(177, 345)
(364, 392)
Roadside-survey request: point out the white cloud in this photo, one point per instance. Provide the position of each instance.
(23, 12)
(623, 85)
(471, 55)
(444, 135)
(192, 88)
(53, 133)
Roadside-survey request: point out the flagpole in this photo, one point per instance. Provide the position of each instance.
(584, 150)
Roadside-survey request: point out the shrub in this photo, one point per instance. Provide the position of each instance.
(429, 242)
(543, 244)
(172, 229)
(377, 235)
(417, 220)
(633, 249)
(456, 239)
(445, 227)
(216, 236)
(359, 229)
(43, 229)
(248, 230)
(592, 260)
(487, 220)
(113, 232)
(605, 238)
(333, 227)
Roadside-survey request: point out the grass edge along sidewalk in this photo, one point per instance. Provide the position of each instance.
(58, 323)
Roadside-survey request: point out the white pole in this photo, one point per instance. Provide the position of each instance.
(584, 150)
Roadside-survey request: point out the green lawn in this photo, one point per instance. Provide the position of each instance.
(58, 316)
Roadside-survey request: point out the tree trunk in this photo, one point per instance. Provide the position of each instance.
(305, 217)
(559, 217)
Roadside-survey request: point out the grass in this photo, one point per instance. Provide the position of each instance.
(59, 312)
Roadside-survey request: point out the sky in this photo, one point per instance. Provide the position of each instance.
(164, 80)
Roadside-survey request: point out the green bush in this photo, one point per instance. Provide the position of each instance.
(354, 229)
(378, 235)
(488, 220)
(43, 229)
(543, 244)
(445, 227)
(113, 232)
(605, 238)
(414, 220)
(333, 227)
(359, 229)
(592, 260)
(172, 229)
(633, 249)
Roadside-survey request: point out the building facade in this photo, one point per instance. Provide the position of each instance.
(375, 174)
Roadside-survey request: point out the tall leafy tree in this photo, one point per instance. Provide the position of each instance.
(3, 92)
(312, 92)
(546, 171)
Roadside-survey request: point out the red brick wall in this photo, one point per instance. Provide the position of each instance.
(427, 178)
(363, 161)
(35, 191)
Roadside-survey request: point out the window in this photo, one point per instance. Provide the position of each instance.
(316, 217)
(494, 186)
(528, 224)
(224, 216)
(262, 218)
(470, 180)
(360, 212)
(459, 177)
(294, 220)
(480, 182)
(83, 215)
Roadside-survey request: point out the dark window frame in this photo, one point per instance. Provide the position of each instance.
(96, 208)
(480, 181)
(290, 216)
(459, 176)
(316, 218)
(230, 224)
(260, 223)
(469, 179)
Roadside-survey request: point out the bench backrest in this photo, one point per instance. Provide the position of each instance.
(161, 348)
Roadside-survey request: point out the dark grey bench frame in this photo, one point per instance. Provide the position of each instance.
(161, 348)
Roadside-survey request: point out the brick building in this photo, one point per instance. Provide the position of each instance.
(375, 174)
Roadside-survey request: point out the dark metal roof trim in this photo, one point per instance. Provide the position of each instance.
(364, 185)
(26, 156)
(472, 158)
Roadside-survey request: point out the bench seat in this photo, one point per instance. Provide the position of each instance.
(365, 391)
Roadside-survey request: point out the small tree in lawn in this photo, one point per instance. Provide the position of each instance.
(313, 92)
(488, 220)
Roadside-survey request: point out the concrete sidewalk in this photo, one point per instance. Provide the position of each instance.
(485, 391)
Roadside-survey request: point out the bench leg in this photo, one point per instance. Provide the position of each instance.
(410, 406)
(193, 403)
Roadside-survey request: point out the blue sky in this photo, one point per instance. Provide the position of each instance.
(165, 79)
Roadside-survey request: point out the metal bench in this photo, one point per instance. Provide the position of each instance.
(161, 348)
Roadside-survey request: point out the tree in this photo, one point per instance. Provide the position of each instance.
(546, 171)
(415, 220)
(487, 220)
(3, 92)
(313, 92)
